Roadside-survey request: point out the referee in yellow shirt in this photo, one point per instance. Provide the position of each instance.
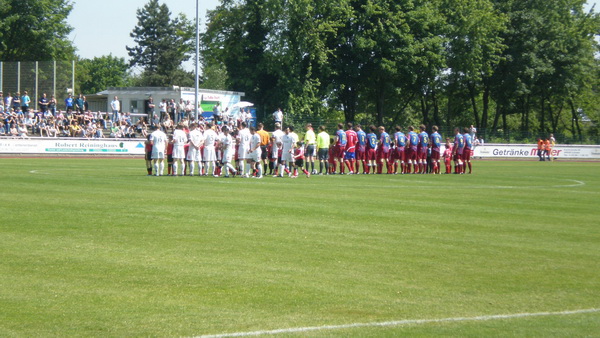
(323, 150)
(310, 142)
(264, 141)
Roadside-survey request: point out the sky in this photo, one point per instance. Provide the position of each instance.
(103, 27)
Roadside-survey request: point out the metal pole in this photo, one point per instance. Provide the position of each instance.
(36, 85)
(19, 77)
(197, 60)
(73, 77)
(54, 80)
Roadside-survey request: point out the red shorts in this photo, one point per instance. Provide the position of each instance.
(422, 153)
(338, 151)
(381, 155)
(466, 155)
(410, 154)
(371, 155)
(400, 153)
(435, 154)
(361, 154)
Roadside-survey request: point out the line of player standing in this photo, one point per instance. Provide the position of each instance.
(416, 153)
(249, 151)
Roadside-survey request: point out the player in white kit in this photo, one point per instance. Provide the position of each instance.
(194, 155)
(276, 136)
(288, 142)
(158, 139)
(227, 147)
(179, 140)
(210, 156)
(255, 152)
(243, 140)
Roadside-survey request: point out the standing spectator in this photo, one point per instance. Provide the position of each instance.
(472, 132)
(16, 102)
(278, 116)
(172, 107)
(69, 102)
(189, 109)
(115, 106)
(25, 101)
(86, 104)
(150, 106)
(80, 104)
(217, 112)
(162, 109)
(52, 105)
(181, 109)
(1, 102)
(43, 103)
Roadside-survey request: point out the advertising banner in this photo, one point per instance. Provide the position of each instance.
(530, 150)
(71, 146)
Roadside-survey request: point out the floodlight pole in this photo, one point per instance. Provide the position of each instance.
(197, 61)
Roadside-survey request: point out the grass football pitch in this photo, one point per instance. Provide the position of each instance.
(94, 247)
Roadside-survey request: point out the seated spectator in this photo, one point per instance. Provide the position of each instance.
(99, 133)
(22, 130)
(13, 130)
(115, 131)
(75, 129)
(51, 129)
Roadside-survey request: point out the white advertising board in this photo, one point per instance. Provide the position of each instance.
(71, 146)
(530, 150)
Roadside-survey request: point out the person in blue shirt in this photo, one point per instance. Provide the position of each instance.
(383, 150)
(423, 143)
(371, 155)
(25, 101)
(436, 143)
(69, 104)
(340, 147)
(361, 149)
(467, 151)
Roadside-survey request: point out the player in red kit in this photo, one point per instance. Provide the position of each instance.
(400, 142)
(361, 149)
(371, 155)
(340, 147)
(350, 156)
(383, 149)
(411, 150)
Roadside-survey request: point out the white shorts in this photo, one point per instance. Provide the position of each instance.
(227, 156)
(275, 151)
(209, 154)
(286, 156)
(178, 152)
(158, 155)
(194, 155)
(255, 155)
(243, 153)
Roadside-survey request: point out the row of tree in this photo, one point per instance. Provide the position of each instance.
(525, 65)
(501, 65)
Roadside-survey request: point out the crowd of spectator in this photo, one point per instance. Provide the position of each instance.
(19, 120)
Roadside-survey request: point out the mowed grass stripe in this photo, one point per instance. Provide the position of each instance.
(90, 247)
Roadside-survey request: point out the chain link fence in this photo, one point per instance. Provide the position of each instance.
(37, 77)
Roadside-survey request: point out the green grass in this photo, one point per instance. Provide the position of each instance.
(93, 247)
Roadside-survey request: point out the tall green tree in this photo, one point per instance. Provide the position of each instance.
(163, 43)
(35, 30)
(97, 74)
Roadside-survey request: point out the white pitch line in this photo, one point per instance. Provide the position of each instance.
(398, 323)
